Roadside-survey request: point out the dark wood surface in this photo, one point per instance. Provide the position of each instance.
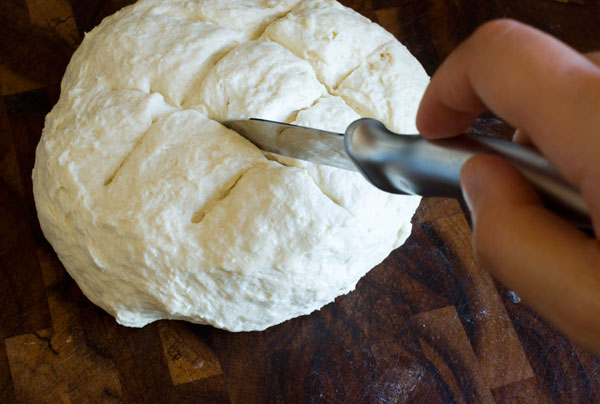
(428, 325)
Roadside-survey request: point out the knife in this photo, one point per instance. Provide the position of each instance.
(408, 164)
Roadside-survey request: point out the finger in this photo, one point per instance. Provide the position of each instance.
(531, 80)
(521, 137)
(550, 264)
(594, 57)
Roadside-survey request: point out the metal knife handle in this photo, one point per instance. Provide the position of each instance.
(409, 164)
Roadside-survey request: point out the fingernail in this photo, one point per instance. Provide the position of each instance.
(469, 184)
(516, 135)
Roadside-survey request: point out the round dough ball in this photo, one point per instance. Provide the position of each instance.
(160, 212)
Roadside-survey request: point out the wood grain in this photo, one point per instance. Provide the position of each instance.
(500, 354)
(442, 337)
(188, 358)
(427, 325)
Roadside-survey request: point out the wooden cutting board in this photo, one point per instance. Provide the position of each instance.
(428, 325)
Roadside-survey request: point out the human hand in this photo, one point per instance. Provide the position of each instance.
(552, 94)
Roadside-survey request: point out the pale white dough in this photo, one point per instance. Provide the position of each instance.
(320, 115)
(258, 79)
(158, 211)
(388, 86)
(249, 17)
(152, 54)
(333, 38)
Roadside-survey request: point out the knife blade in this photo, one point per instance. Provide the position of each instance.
(315, 145)
(406, 164)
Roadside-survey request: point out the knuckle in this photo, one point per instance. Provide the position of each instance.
(495, 30)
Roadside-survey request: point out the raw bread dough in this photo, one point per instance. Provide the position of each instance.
(333, 38)
(388, 85)
(159, 211)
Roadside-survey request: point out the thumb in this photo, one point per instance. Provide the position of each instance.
(553, 266)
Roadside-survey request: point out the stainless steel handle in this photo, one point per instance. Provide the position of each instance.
(408, 164)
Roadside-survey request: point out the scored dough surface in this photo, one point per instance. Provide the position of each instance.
(158, 211)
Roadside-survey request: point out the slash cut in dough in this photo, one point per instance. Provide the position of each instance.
(160, 212)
